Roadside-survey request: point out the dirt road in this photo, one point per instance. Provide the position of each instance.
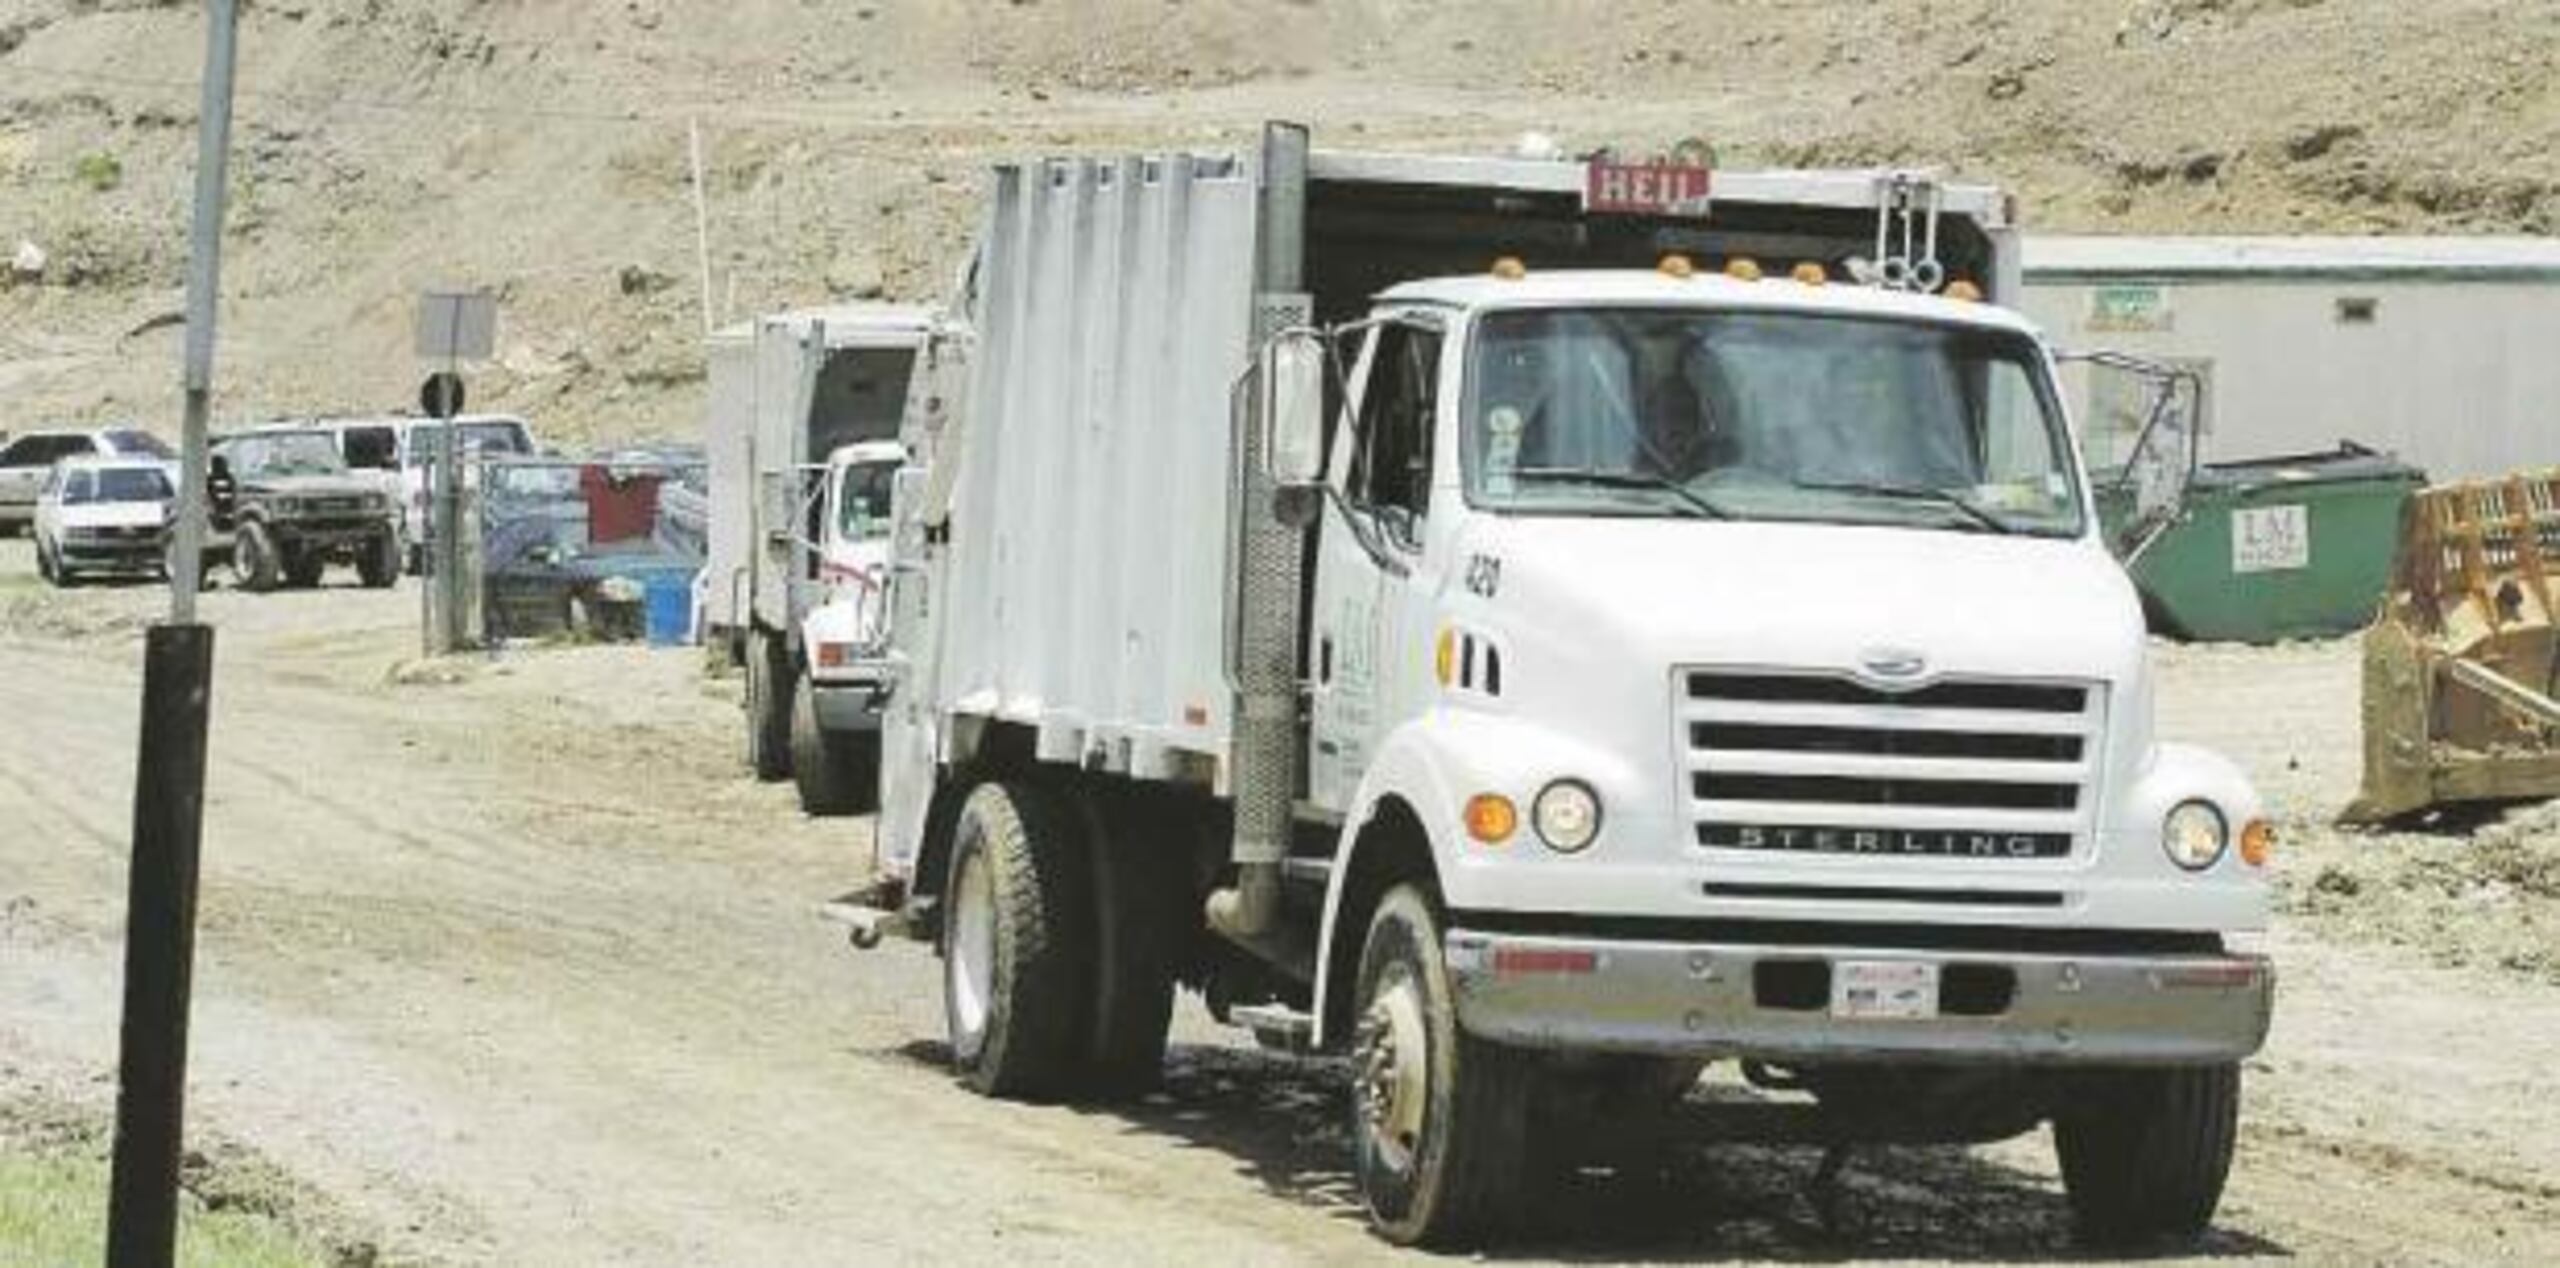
(507, 960)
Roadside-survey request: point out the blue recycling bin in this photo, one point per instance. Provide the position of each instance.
(668, 595)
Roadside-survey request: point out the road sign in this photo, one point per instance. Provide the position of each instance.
(457, 325)
(441, 395)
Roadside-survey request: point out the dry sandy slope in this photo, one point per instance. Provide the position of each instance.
(387, 145)
(515, 966)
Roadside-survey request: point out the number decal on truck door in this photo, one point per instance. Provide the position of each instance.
(1484, 575)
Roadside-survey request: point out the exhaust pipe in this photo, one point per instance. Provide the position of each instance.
(1262, 660)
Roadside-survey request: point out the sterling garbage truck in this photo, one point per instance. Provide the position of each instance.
(1539, 629)
(801, 426)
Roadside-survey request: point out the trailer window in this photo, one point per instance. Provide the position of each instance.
(861, 395)
(1391, 468)
(1766, 415)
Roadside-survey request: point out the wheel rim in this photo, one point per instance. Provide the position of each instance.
(1395, 1076)
(969, 963)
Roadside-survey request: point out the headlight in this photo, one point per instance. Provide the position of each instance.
(1566, 815)
(2194, 835)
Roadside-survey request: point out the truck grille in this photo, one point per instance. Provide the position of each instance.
(1822, 764)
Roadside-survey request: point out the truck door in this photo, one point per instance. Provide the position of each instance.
(1368, 550)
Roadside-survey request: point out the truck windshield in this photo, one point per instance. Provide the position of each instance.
(299, 453)
(862, 503)
(1766, 415)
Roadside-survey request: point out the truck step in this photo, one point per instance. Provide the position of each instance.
(865, 926)
(1276, 1026)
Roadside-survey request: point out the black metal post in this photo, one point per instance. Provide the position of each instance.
(160, 946)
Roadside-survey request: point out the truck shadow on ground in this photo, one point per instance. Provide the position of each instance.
(1285, 1121)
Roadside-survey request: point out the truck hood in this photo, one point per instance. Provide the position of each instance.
(1815, 596)
(324, 486)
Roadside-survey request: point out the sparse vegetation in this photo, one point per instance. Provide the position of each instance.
(53, 1211)
(98, 170)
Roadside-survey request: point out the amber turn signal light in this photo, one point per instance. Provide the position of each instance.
(1491, 818)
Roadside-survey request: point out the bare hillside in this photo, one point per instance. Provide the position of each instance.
(540, 146)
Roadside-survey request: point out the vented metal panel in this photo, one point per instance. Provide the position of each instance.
(1117, 302)
(1828, 765)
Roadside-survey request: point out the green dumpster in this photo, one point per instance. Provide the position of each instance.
(2275, 548)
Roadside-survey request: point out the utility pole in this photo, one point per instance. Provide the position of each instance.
(452, 327)
(701, 222)
(168, 795)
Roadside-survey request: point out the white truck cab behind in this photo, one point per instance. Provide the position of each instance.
(845, 634)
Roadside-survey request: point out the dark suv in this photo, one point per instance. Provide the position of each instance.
(284, 506)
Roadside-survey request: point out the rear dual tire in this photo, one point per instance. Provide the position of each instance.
(768, 708)
(837, 773)
(1017, 939)
(1061, 931)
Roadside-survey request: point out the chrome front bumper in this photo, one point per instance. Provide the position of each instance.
(1774, 1002)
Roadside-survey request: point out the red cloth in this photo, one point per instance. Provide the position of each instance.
(619, 509)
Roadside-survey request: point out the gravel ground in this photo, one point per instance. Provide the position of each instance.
(507, 962)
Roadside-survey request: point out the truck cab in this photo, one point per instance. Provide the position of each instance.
(1771, 604)
(835, 734)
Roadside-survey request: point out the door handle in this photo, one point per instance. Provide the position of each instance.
(1324, 660)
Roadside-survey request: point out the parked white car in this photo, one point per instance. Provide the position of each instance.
(26, 459)
(103, 515)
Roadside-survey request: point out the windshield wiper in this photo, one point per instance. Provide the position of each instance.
(1915, 493)
(1696, 503)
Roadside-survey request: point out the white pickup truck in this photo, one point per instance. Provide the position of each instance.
(1540, 629)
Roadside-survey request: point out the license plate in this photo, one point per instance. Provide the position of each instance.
(1884, 990)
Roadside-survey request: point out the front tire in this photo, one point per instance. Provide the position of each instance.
(378, 565)
(1017, 944)
(1439, 1118)
(2144, 1152)
(255, 563)
(837, 774)
(46, 567)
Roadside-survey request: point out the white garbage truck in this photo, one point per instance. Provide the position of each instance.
(801, 424)
(1539, 629)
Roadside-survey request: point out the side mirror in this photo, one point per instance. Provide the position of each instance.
(1292, 373)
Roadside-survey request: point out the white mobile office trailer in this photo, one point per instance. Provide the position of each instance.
(2435, 349)
(1613, 642)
